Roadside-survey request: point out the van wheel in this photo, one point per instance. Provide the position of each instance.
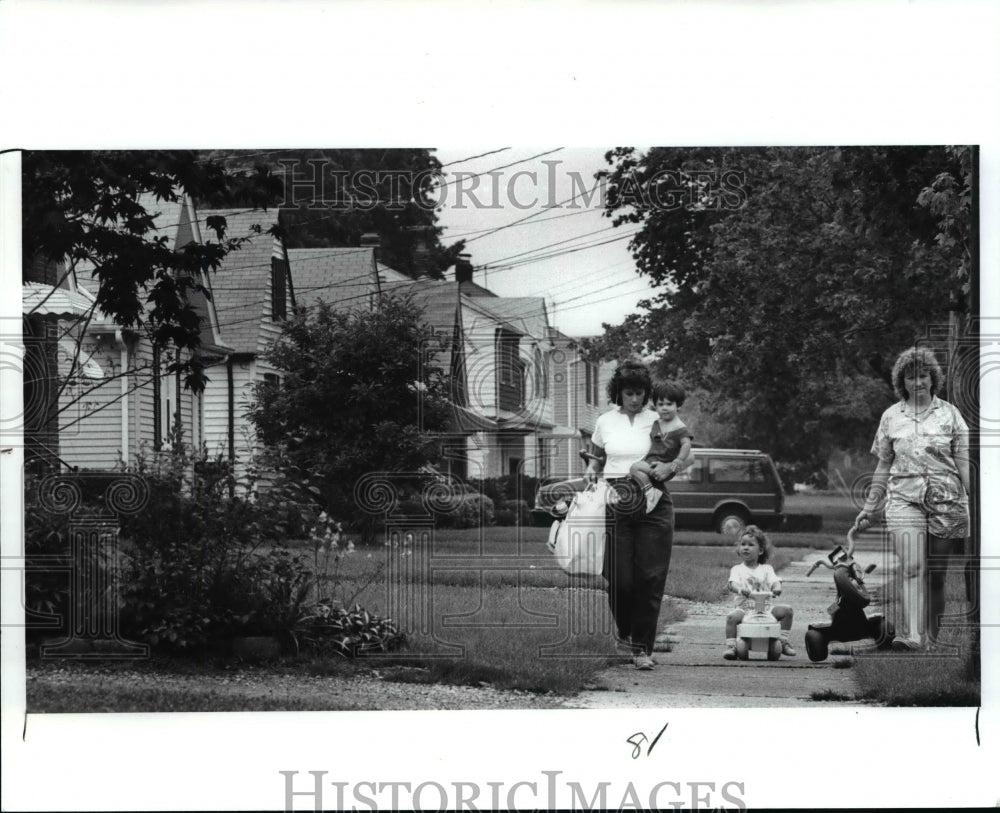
(730, 521)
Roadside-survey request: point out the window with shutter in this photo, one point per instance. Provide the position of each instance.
(278, 298)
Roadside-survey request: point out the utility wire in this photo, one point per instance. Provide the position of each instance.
(497, 169)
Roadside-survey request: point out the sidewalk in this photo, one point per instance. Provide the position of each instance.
(694, 674)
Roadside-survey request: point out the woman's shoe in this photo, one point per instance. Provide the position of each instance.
(643, 662)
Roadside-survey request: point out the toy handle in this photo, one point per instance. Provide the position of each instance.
(816, 564)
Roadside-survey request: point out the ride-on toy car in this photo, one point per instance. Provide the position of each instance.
(759, 631)
(848, 621)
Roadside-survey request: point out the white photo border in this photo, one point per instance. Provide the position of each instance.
(266, 74)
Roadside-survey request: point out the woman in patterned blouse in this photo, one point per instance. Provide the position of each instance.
(922, 480)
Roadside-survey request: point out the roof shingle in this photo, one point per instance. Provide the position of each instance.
(241, 285)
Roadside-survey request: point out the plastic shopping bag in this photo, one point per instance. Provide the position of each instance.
(578, 541)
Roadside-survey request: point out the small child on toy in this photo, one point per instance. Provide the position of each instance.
(670, 440)
(754, 575)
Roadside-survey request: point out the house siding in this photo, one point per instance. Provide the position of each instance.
(142, 399)
(216, 401)
(90, 412)
(480, 362)
(215, 409)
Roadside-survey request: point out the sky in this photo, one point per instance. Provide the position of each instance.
(584, 284)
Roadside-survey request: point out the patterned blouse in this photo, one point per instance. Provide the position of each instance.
(920, 449)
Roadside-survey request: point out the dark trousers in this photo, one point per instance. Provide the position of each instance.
(636, 560)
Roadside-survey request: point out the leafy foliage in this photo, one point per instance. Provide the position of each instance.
(48, 562)
(348, 632)
(201, 562)
(360, 393)
(90, 207)
(788, 310)
(332, 197)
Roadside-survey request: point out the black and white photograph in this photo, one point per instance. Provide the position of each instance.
(472, 476)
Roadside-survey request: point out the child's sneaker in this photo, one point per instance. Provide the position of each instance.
(653, 496)
(730, 653)
(786, 650)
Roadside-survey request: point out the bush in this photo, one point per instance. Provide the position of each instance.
(808, 473)
(465, 511)
(48, 561)
(194, 564)
(505, 517)
(514, 512)
(504, 489)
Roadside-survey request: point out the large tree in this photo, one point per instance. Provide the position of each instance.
(331, 197)
(790, 279)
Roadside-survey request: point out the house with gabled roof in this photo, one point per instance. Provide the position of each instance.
(253, 294)
(108, 395)
(508, 368)
(579, 396)
(498, 353)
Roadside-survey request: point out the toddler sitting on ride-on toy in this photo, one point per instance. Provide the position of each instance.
(754, 575)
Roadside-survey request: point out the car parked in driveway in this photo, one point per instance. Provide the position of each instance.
(723, 489)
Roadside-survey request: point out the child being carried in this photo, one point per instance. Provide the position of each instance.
(670, 441)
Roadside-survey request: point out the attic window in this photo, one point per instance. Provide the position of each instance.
(279, 269)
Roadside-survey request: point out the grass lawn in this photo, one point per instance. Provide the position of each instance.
(506, 540)
(479, 606)
(941, 678)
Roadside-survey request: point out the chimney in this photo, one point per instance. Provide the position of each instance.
(463, 268)
(371, 240)
(421, 250)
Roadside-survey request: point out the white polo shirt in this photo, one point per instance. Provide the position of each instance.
(624, 441)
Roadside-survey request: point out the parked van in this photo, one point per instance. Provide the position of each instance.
(724, 489)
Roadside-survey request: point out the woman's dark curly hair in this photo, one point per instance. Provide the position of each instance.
(916, 359)
(668, 391)
(630, 375)
(762, 541)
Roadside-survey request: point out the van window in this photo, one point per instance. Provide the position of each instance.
(722, 470)
(692, 474)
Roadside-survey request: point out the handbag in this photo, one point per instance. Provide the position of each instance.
(578, 541)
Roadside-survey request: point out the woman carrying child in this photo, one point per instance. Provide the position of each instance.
(670, 441)
(637, 557)
(754, 575)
